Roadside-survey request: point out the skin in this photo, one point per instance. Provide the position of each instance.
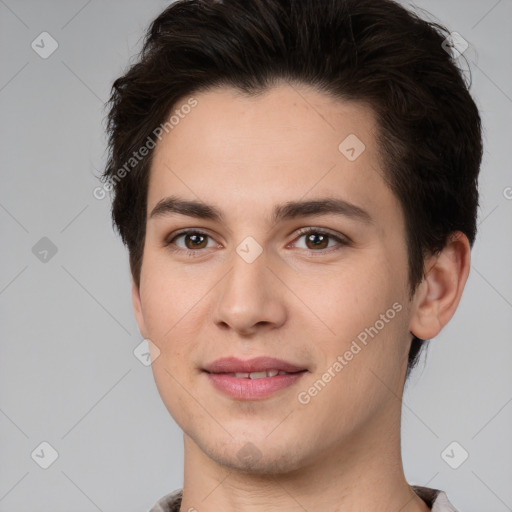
(295, 302)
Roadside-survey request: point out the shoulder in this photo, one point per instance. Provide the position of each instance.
(169, 503)
(434, 498)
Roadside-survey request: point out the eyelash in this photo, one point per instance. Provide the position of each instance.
(342, 241)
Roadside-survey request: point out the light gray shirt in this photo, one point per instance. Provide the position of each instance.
(434, 498)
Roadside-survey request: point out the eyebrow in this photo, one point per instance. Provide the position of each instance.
(289, 210)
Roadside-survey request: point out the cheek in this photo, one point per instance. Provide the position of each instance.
(361, 369)
(166, 296)
(356, 294)
(365, 309)
(173, 306)
(172, 387)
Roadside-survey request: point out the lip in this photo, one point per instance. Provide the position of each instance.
(256, 364)
(220, 374)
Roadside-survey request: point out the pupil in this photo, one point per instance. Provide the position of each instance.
(196, 239)
(320, 239)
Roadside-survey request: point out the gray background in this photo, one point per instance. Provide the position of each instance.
(68, 375)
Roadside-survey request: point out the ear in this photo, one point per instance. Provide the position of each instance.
(439, 294)
(137, 308)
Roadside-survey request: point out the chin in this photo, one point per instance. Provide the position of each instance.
(248, 457)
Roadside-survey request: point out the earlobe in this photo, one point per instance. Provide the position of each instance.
(439, 294)
(137, 308)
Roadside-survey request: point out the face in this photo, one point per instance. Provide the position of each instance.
(294, 249)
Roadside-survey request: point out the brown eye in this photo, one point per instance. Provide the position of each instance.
(319, 241)
(195, 241)
(189, 241)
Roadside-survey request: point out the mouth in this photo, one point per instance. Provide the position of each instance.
(258, 375)
(255, 366)
(252, 379)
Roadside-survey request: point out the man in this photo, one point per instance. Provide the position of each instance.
(296, 183)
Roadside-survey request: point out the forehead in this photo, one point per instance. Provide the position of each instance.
(244, 152)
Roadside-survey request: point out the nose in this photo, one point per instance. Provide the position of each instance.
(250, 299)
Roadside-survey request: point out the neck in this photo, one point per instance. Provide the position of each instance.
(364, 473)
